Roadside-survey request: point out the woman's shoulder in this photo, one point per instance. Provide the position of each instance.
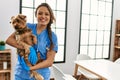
(54, 35)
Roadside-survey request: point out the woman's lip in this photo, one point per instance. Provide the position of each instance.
(43, 20)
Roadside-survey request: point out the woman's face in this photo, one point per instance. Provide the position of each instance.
(43, 16)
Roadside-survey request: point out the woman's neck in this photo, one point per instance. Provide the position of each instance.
(40, 28)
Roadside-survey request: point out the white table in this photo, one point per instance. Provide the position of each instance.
(68, 77)
(105, 69)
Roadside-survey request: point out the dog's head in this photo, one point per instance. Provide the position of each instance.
(18, 22)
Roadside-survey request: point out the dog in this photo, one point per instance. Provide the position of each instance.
(24, 38)
(23, 33)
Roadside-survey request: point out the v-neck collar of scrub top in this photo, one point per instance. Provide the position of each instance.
(41, 31)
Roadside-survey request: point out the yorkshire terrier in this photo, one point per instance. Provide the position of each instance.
(24, 38)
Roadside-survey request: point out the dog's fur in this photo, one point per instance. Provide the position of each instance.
(24, 35)
(24, 38)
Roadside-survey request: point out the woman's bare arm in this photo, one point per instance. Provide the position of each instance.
(12, 41)
(46, 63)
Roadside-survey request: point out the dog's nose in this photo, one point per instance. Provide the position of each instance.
(10, 22)
(16, 27)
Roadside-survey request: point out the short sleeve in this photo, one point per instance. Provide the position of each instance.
(29, 25)
(32, 27)
(55, 42)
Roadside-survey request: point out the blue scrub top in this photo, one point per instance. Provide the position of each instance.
(43, 42)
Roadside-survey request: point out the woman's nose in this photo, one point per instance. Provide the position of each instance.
(43, 15)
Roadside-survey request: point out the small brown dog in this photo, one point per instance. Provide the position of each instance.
(23, 33)
(25, 38)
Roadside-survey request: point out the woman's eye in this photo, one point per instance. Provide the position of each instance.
(46, 14)
(40, 13)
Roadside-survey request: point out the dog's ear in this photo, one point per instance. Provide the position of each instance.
(22, 16)
(12, 18)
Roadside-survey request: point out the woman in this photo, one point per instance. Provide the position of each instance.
(46, 46)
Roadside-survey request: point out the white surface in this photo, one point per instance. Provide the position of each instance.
(83, 57)
(86, 73)
(68, 77)
(104, 68)
(4, 65)
(59, 75)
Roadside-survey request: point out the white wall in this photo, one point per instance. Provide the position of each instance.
(73, 20)
(11, 7)
(8, 8)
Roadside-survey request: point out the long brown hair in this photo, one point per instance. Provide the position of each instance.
(52, 19)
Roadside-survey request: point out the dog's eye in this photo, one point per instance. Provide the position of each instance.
(13, 22)
(17, 20)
